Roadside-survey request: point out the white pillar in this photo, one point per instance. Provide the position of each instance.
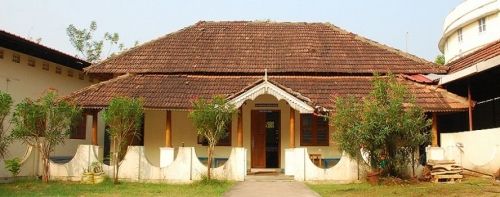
(290, 161)
(166, 156)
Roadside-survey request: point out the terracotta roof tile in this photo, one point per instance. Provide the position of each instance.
(487, 52)
(178, 91)
(250, 47)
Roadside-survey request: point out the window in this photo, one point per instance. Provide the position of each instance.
(78, 131)
(58, 70)
(314, 130)
(460, 37)
(16, 58)
(45, 66)
(70, 73)
(31, 62)
(482, 25)
(1, 54)
(226, 141)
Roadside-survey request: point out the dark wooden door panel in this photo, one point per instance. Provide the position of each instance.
(258, 131)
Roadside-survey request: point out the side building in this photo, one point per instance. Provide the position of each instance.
(27, 70)
(470, 26)
(472, 137)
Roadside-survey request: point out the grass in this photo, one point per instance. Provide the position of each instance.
(65, 188)
(468, 187)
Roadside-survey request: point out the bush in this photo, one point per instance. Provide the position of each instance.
(13, 166)
(387, 124)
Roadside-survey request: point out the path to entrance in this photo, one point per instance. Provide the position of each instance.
(263, 186)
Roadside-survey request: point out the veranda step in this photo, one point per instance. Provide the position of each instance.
(269, 178)
(264, 170)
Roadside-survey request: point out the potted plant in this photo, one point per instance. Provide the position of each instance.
(88, 176)
(98, 172)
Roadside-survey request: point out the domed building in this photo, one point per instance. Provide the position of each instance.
(470, 26)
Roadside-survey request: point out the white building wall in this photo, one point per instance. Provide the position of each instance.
(22, 81)
(465, 17)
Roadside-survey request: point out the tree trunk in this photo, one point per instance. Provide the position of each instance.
(46, 166)
(413, 162)
(209, 162)
(357, 164)
(115, 162)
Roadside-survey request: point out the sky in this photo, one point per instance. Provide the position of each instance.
(410, 25)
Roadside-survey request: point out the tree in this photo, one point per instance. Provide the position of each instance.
(439, 59)
(44, 124)
(347, 131)
(88, 46)
(387, 124)
(5, 105)
(124, 118)
(211, 118)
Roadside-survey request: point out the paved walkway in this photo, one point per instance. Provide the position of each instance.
(270, 188)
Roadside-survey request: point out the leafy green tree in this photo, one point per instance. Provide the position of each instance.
(88, 46)
(439, 59)
(124, 118)
(347, 131)
(211, 117)
(44, 124)
(5, 105)
(387, 124)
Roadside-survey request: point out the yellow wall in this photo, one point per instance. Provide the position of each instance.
(183, 132)
(27, 81)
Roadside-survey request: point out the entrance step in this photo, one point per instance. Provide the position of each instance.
(268, 177)
(264, 170)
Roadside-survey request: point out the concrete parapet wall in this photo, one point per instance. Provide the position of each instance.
(477, 150)
(302, 168)
(136, 167)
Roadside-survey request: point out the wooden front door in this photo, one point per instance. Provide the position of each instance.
(265, 127)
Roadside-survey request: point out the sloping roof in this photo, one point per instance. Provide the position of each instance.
(178, 91)
(17, 43)
(487, 52)
(245, 47)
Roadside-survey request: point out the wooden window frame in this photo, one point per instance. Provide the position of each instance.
(16, 58)
(223, 142)
(314, 131)
(45, 66)
(31, 62)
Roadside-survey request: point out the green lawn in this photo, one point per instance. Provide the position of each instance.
(63, 188)
(469, 187)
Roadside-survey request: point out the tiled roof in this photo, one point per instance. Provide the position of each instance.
(23, 45)
(244, 47)
(178, 91)
(487, 52)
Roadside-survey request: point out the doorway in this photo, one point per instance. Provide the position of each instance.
(265, 144)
